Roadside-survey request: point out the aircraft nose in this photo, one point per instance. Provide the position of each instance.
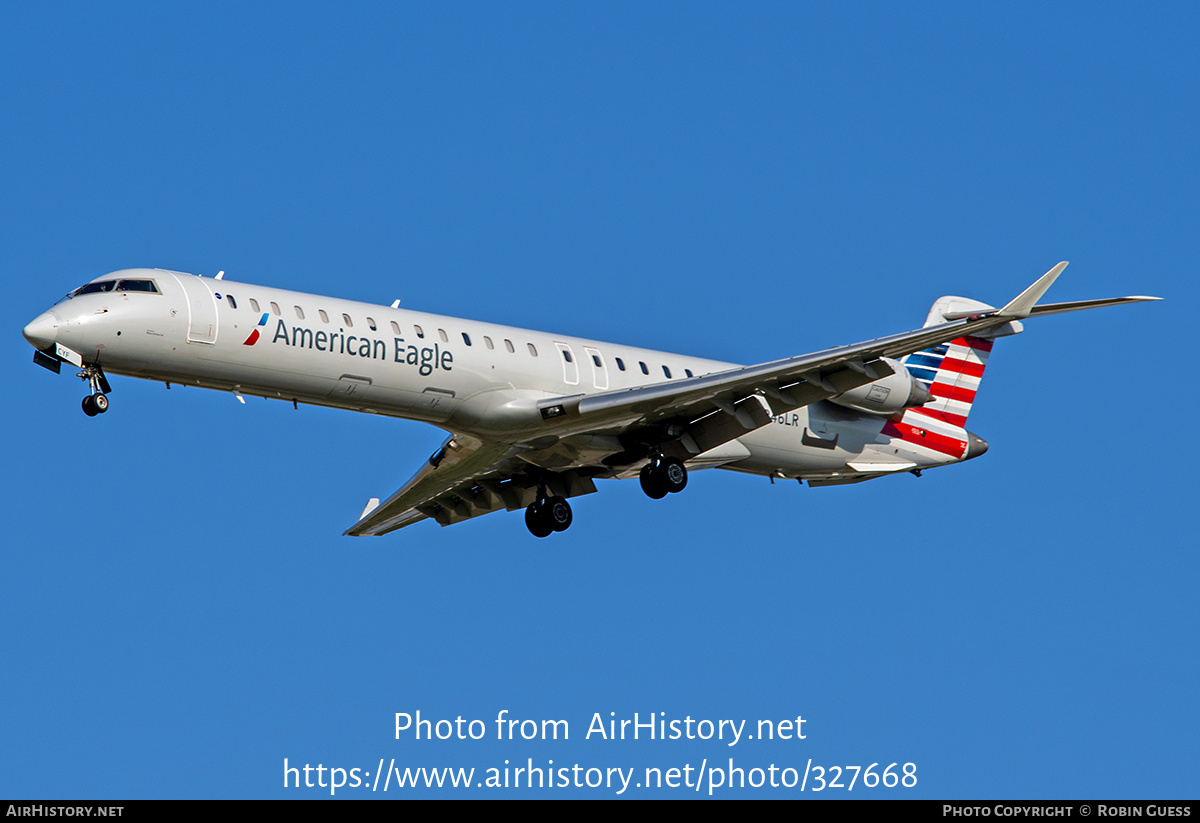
(42, 331)
(976, 445)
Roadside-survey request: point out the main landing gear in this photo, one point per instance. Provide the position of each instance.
(660, 477)
(663, 476)
(547, 515)
(96, 402)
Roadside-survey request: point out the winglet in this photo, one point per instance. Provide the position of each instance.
(371, 506)
(1021, 305)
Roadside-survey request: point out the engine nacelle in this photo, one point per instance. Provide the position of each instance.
(887, 395)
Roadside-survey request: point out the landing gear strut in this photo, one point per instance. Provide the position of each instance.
(96, 402)
(547, 515)
(663, 476)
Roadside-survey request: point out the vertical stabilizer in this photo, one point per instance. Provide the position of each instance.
(951, 371)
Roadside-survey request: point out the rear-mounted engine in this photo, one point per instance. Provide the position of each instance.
(887, 395)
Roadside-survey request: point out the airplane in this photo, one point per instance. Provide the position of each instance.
(534, 419)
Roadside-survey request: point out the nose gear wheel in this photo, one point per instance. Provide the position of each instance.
(96, 402)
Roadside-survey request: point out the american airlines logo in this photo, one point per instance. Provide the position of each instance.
(253, 338)
(425, 358)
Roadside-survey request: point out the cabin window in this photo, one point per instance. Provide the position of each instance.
(346, 319)
(419, 331)
(644, 369)
(442, 334)
(667, 372)
(395, 328)
(232, 303)
(566, 355)
(254, 305)
(688, 372)
(299, 312)
(138, 285)
(620, 364)
(596, 360)
(508, 345)
(532, 350)
(466, 338)
(275, 308)
(371, 324)
(324, 316)
(487, 341)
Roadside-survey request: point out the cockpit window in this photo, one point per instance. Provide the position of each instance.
(146, 286)
(137, 285)
(93, 288)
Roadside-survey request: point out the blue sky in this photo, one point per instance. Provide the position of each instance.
(181, 613)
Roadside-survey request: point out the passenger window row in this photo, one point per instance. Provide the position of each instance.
(620, 363)
(348, 322)
(420, 332)
(645, 369)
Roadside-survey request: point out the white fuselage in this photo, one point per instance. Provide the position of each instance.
(462, 375)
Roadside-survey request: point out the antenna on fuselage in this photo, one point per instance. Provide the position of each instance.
(220, 274)
(395, 304)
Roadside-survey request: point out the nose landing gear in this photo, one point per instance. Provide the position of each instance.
(96, 402)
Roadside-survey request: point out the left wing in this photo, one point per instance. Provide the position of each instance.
(465, 478)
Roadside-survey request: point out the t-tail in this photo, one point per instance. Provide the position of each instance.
(953, 371)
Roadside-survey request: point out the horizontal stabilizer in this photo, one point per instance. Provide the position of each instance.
(1080, 305)
(1061, 308)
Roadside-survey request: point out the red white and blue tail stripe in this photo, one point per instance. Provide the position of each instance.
(951, 372)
